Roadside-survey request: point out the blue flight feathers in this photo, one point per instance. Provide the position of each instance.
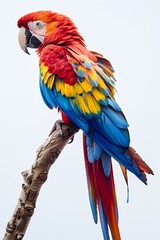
(106, 163)
(117, 117)
(46, 97)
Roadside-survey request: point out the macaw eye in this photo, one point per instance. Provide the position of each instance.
(38, 24)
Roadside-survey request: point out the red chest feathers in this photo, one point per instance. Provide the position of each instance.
(54, 57)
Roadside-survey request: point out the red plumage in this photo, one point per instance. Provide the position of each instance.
(56, 61)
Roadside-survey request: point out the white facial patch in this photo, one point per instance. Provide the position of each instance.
(38, 28)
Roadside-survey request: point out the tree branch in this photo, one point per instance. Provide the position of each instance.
(34, 179)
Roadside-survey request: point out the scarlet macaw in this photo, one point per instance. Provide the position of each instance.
(81, 84)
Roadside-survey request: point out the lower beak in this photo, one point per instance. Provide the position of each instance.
(27, 39)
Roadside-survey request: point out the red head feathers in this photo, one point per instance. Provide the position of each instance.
(58, 27)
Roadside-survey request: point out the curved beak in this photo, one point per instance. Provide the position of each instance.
(27, 39)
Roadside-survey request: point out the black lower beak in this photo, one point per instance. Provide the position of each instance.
(31, 40)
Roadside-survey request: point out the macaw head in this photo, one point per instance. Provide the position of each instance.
(45, 27)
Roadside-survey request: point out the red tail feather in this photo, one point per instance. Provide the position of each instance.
(106, 194)
(102, 192)
(139, 161)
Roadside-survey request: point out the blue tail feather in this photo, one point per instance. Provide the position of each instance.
(104, 223)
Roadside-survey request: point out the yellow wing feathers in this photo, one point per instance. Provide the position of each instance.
(88, 102)
(82, 105)
(44, 69)
(92, 89)
(93, 105)
(87, 87)
(98, 95)
(92, 74)
(47, 78)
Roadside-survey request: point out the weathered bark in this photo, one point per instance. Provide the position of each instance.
(34, 179)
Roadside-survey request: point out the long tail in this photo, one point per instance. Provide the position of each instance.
(101, 185)
(101, 188)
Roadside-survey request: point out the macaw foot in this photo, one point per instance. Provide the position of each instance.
(58, 126)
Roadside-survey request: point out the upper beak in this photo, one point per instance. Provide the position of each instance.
(27, 39)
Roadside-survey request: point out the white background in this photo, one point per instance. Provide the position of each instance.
(127, 33)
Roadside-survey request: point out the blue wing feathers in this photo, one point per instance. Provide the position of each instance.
(88, 140)
(76, 109)
(118, 153)
(106, 163)
(113, 104)
(108, 129)
(90, 153)
(86, 64)
(104, 102)
(94, 151)
(97, 151)
(117, 117)
(46, 97)
(119, 136)
(63, 101)
(105, 91)
(80, 73)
